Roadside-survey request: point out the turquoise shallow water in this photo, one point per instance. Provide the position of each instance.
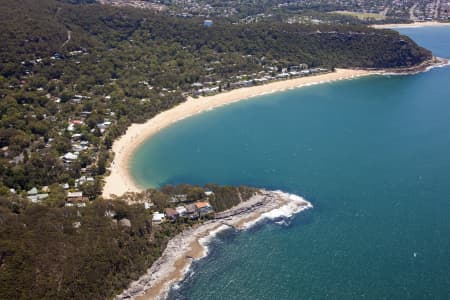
(372, 155)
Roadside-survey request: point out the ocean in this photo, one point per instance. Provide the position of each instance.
(373, 157)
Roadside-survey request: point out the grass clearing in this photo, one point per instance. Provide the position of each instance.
(360, 15)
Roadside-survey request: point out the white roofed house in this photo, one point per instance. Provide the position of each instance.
(76, 136)
(181, 210)
(158, 217)
(74, 194)
(34, 197)
(32, 192)
(283, 75)
(209, 193)
(103, 126)
(78, 148)
(69, 157)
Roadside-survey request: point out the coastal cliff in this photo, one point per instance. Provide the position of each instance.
(192, 243)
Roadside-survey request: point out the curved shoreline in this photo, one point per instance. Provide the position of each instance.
(411, 25)
(120, 181)
(192, 244)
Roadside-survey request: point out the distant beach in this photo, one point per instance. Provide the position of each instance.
(411, 25)
(192, 243)
(120, 181)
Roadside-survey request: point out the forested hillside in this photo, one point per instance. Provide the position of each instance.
(90, 252)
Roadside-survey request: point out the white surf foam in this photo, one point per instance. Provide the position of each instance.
(295, 205)
(206, 240)
(427, 69)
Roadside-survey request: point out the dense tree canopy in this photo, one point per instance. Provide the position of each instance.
(49, 252)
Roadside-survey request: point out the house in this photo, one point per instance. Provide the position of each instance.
(191, 211)
(208, 23)
(197, 85)
(209, 193)
(35, 198)
(283, 75)
(83, 179)
(76, 122)
(79, 147)
(79, 98)
(125, 223)
(181, 210)
(204, 208)
(76, 197)
(69, 157)
(158, 217)
(104, 125)
(32, 192)
(74, 194)
(110, 213)
(179, 198)
(171, 213)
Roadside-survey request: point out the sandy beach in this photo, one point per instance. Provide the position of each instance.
(192, 244)
(120, 181)
(411, 25)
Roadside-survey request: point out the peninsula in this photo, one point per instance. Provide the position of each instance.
(192, 243)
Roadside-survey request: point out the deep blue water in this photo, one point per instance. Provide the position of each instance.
(372, 155)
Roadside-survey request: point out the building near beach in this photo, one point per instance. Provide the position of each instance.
(191, 211)
(181, 210)
(171, 213)
(76, 197)
(158, 217)
(204, 208)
